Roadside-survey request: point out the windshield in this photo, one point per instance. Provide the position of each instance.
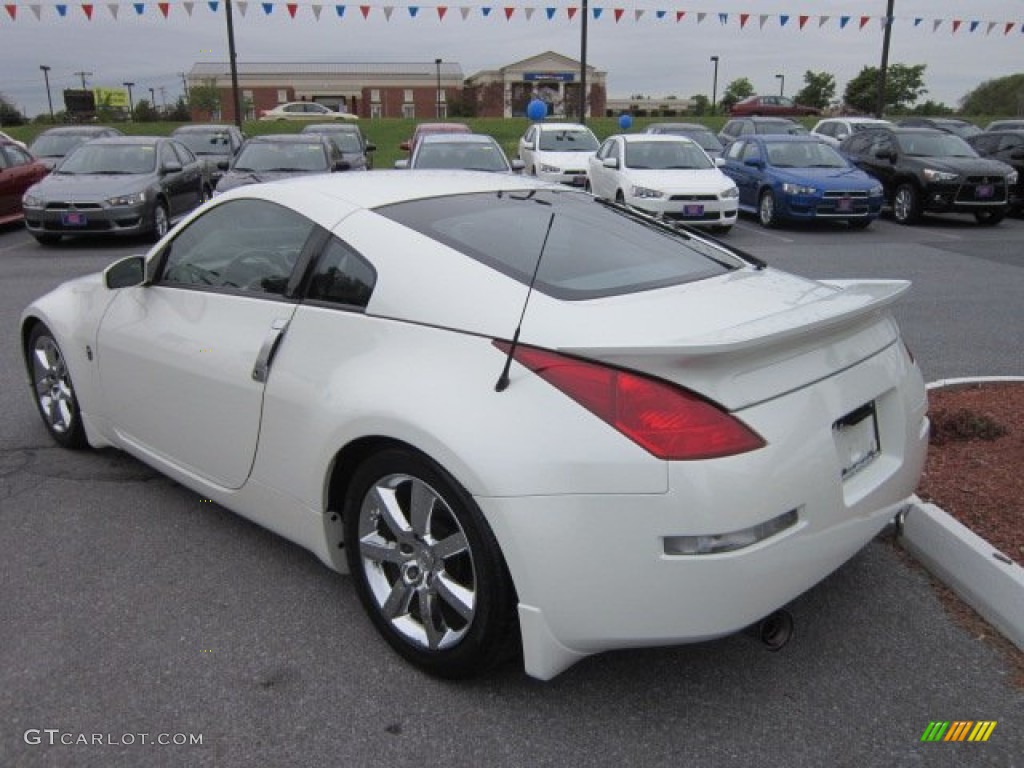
(593, 249)
(470, 156)
(934, 145)
(348, 143)
(666, 155)
(206, 143)
(568, 140)
(780, 126)
(56, 145)
(111, 159)
(269, 156)
(803, 154)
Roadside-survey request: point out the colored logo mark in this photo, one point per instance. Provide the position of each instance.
(958, 730)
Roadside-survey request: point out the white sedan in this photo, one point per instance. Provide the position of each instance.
(305, 110)
(665, 175)
(662, 442)
(557, 152)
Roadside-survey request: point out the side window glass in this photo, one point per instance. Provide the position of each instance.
(751, 151)
(735, 150)
(242, 245)
(342, 276)
(4, 160)
(1010, 142)
(185, 156)
(167, 154)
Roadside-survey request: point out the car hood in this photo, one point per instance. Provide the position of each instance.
(567, 160)
(88, 186)
(968, 166)
(827, 178)
(232, 179)
(708, 180)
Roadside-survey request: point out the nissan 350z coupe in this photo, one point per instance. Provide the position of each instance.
(517, 415)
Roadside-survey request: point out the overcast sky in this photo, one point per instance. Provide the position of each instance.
(650, 55)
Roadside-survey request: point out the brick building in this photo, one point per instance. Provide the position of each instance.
(418, 90)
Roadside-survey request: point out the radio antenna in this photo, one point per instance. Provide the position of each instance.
(503, 380)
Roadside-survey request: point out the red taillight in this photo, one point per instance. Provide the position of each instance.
(667, 421)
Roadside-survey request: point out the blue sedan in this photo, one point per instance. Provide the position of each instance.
(801, 179)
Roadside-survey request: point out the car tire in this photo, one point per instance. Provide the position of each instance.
(47, 239)
(619, 197)
(160, 223)
(427, 567)
(906, 204)
(859, 223)
(766, 213)
(989, 218)
(53, 390)
(205, 193)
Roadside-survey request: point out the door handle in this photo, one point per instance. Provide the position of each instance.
(261, 370)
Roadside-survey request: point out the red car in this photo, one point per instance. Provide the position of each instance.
(424, 128)
(19, 170)
(771, 106)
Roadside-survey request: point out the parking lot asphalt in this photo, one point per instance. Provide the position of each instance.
(131, 607)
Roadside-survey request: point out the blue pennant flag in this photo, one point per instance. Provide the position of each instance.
(268, 8)
(340, 10)
(62, 10)
(550, 12)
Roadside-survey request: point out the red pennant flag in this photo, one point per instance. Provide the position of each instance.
(88, 10)
(572, 12)
(441, 11)
(12, 11)
(679, 15)
(743, 19)
(864, 20)
(956, 25)
(365, 10)
(618, 14)
(803, 20)
(165, 8)
(1009, 25)
(509, 12)
(292, 8)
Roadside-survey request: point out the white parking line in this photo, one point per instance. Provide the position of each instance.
(763, 231)
(15, 245)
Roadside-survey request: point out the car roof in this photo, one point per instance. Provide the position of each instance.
(442, 128)
(458, 138)
(129, 140)
(287, 138)
(331, 128)
(787, 138)
(680, 126)
(664, 138)
(757, 119)
(562, 127)
(203, 128)
(86, 130)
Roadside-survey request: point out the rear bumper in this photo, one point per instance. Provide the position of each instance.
(595, 573)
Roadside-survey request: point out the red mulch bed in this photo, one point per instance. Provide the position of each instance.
(975, 472)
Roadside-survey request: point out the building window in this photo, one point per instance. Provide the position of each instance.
(442, 111)
(375, 112)
(407, 95)
(408, 110)
(282, 95)
(375, 95)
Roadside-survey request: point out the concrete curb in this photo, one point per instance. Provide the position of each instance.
(985, 578)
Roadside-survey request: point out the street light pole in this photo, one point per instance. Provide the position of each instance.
(782, 84)
(583, 66)
(152, 99)
(235, 100)
(714, 85)
(84, 75)
(49, 98)
(131, 104)
(437, 93)
(883, 72)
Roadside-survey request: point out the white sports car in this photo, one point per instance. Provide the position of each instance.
(515, 413)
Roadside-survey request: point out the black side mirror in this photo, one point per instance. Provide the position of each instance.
(125, 273)
(371, 147)
(223, 164)
(172, 166)
(342, 165)
(886, 154)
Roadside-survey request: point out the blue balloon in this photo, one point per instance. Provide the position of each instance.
(537, 110)
(625, 122)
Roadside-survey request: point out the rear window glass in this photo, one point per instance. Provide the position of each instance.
(591, 250)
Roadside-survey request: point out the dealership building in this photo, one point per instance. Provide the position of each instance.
(417, 90)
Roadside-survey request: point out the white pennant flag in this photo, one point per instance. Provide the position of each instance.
(388, 10)
(991, 26)
(36, 9)
(188, 7)
(936, 24)
(762, 19)
(113, 8)
(528, 12)
(465, 12)
(316, 11)
(822, 21)
(242, 7)
(637, 15)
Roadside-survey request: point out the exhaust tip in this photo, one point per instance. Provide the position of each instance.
(775, 630)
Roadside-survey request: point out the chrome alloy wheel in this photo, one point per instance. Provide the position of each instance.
(54, 394)
(417, 562)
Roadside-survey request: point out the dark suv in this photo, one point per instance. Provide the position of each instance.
(748, 126)
(924, 170)
(1007, 147)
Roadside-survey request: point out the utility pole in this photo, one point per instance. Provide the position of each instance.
(49, 98)
(131, 104)
(184, 84)
(84, 75)
(235, 100)
(583, 66)
(883, 69)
